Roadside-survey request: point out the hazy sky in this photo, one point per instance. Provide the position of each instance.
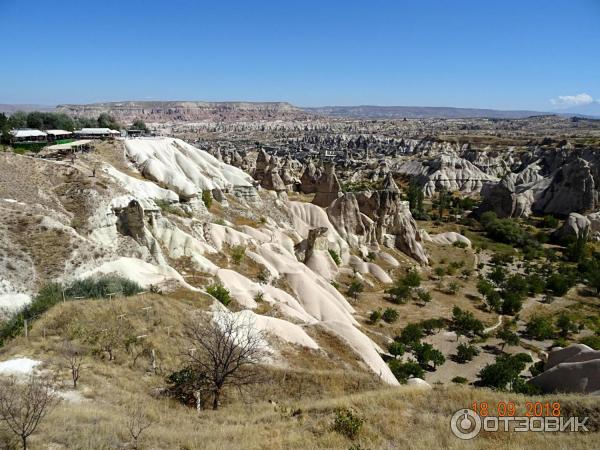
(538, 54)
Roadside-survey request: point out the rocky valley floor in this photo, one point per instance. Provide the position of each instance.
(385, 285)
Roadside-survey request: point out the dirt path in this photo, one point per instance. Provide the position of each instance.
(493, 327)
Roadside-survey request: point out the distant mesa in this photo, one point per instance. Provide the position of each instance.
(418, 112)
(191, 111)
(187, 111)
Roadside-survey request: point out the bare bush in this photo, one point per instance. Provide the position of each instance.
(224, 352)
(72, 356)
(138, 421)
(23, 405)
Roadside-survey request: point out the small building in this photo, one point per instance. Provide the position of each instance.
(28, 135)
(327, 153)
(134, 132)
(62, 151)
(96, 133)
(56, 135)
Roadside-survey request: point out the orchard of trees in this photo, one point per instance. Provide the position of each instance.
(56, 121)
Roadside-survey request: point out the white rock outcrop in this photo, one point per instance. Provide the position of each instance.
(575, 368)
(183, 168)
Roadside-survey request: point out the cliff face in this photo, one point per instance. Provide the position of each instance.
(187, 111)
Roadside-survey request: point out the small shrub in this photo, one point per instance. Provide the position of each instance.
(396, 348)
(459, 244)
(207, 198)
(355, 288)
(453, 288)
(259, 297)
(219, 292)
(548, 222)
(404, 370)
(264, 276)
(399, 293)
(558, 284)
(591, 341)
(375, 317)
(336, 258)
(347, 423)
(424, 296)
(412, 279)
(170, 208)
(560, 342)
(390, 315)
(460, 380)
(48, 296)
(465, 352)
(237, 254)
(102, 287)
(537, 368)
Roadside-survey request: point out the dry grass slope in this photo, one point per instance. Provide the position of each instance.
(308, 392)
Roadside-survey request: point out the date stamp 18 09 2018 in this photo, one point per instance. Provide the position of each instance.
(509, 416)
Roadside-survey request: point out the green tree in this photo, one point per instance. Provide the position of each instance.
(411, 334)
(219, 292)
(464, 323)
(5, 137)
(429, 325)
(486, 290)
(374, 317)
(443, 201)
(415, 199)
(498, 274)
(504, 372)
(396, 348)
(390, 315)
(18, 120)
(404, 370)
(465, 353)
(105, 120)
(558, 284)
(565, 325)
(536, 284)
(139, 125)
(412, 278)
(578, 249)
(355, 288)
(426, 353)
(508, 337)
(511, 303)
(399, 293)
(540, 328)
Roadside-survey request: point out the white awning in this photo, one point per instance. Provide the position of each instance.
(28, 132)
(58, 132)
(96, 131)
(69, 145)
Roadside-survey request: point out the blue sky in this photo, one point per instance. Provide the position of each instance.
(503, 54)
